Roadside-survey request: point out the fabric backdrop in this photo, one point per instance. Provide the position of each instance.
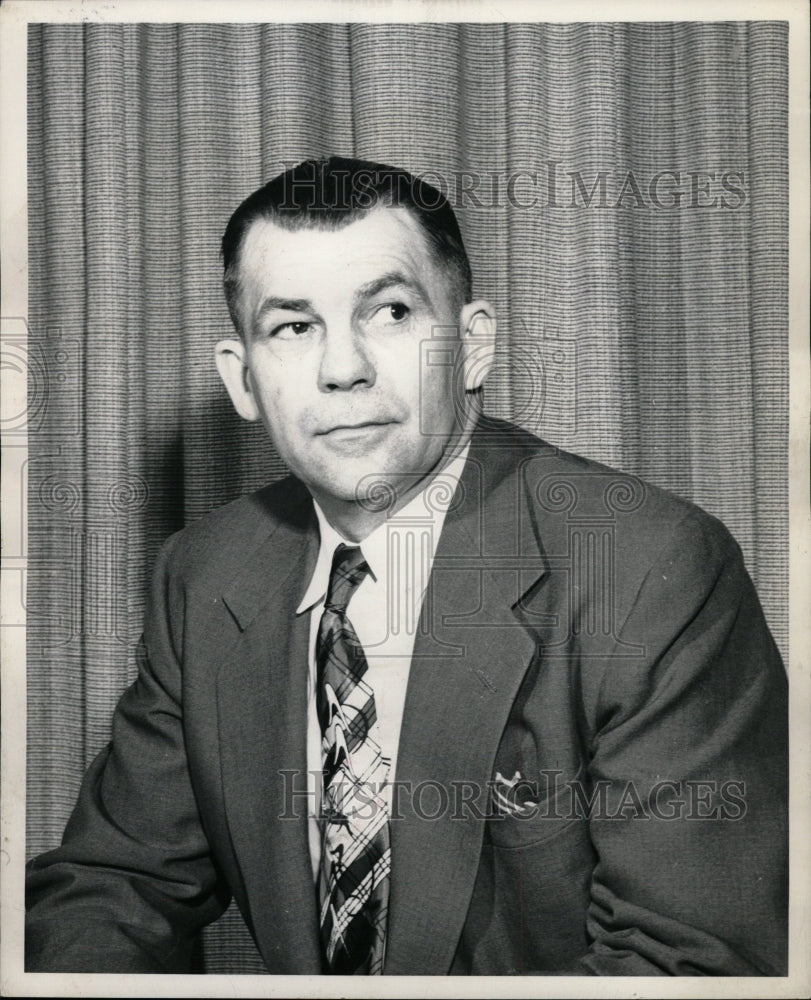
(650, 336)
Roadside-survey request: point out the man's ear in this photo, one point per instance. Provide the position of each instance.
(235, 374)
(477, 326)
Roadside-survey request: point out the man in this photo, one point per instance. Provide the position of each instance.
(448, 701)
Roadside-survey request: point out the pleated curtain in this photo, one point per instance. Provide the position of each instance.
(651, 337)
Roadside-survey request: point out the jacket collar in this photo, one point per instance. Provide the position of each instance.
(287, 535)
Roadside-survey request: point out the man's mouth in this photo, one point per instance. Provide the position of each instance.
(362, 434)
(365, 426)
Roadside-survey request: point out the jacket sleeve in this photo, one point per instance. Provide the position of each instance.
(133, 880)
(691, 751)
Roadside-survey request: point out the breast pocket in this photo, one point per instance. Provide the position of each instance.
(540, 809)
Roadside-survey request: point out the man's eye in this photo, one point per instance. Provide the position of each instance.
(393, 312)
(289, 331)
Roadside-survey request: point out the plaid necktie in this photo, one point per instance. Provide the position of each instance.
(355, 851)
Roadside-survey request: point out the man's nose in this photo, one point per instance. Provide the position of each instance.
(345, 362)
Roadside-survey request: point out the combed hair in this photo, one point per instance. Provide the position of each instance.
(331, 193)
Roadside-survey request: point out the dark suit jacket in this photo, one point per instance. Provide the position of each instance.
(588, 631)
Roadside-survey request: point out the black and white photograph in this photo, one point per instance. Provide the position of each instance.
(405, 500)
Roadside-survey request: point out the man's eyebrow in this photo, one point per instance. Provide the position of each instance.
(389, 280)
(289, 305)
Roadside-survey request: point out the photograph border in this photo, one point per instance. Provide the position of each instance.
(14, 18)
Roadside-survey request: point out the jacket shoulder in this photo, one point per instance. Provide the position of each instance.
(570, 495)
(588, 491)
(219, 542)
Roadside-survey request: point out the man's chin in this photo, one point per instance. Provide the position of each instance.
(371, 491)
(366, 488)
(376, 481)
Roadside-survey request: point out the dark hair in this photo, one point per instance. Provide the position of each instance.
(330, 194)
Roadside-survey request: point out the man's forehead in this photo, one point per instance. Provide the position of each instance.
(382, 239)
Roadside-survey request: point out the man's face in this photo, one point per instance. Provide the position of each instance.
(336, 326)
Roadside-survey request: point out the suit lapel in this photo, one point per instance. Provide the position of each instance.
(262, 705)
(469, 659)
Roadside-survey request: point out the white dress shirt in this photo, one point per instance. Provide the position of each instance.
(384, 611)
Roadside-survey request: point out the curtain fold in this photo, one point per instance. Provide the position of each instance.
(622, 189)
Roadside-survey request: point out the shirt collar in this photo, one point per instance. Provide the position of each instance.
(430, 504)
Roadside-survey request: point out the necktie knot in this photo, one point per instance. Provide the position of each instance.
(348, 570)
